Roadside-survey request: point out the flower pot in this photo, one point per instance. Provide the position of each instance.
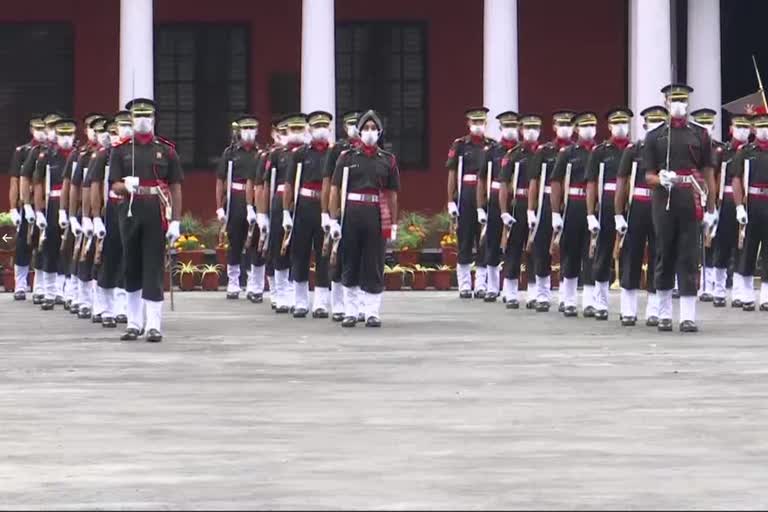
(449, 256)
(187, 281)
(419, 280)
(221, 256)
(210, 281)
(393, 281)
(167, 281)
(196, 257)
(8, 280)
(408, 258)
(441, 279)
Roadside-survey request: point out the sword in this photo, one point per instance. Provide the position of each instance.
(745, 181)
(288, 232)
(460, 179)
(566, 194)
(344, 185)
(223, 228)
(532, 232)
(600, 189)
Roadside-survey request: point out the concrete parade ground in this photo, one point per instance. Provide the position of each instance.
(451, 405)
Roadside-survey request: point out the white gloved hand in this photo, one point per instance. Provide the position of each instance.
(63, 221)
(74, 224)
(557, 221)
(15, 217)
(29, 213)
(482, 218)
(325, 221)
(335, 229)
(531, 219)
(250, 215)
(667, 178)
(453, 210)
(621, 224)
(263, 221)
(393, 234)
(87, 224)
(507, 219)
(98, 228)
(41, 222)
(593, 224)
(710, 220)
(131, 184)
(287, 220)
(221, 214)
(741, 215)
(173, 232)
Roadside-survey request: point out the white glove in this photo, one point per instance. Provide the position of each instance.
(325, 221)
(482, 218)
(621, 224)
(222, 215)
(173, 232)
(393, 234)
(335, 229)
(557, 221)
(287, 220)
(74, 224)
(593, 224)
(63, 221)
(453, 210)
(15, 217)
(98, 228)
(531, 219)
(29, 213)
(131, 184)
(741, 215)
(41, 222)
(667, 178)
(263, 221)
(507, 219)
(250, 215)
(87, 226)
(710, 220)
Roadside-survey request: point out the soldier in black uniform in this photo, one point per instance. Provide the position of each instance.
(488, 188)
(465, 158)
(602, 169)
(303, 190)
(147, 172)
(513, 204)
(352, 140)
(373, 185)
(750, 188)
(634, 222)
(23, 253)
(570, 177)
(677, 227)
(238, 164)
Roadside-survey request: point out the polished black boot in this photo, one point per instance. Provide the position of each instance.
(688, 326)
(665, 325)
(349, 321)
(589, 312)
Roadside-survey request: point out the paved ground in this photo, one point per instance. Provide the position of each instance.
(450, 405)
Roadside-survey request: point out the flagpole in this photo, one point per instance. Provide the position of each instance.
(759, 82)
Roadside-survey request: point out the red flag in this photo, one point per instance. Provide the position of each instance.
(745, 105)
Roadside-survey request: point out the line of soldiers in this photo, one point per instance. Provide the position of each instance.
(304, 201)
(674, 199)
(93, 219)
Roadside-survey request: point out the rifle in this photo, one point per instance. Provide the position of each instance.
(745, 181)
(532, 232)
(344, 185)
(41, 241)
(720, 194)
(263, 245)
(554, 246)
(459, 180)
(619, 243)
(489, 182)
(105, 200)
(508, 229)
(600, 188)
(289, 232)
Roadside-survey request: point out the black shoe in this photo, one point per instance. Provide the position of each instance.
(154, 336)
(74, 309)
(121, 319)
(320, 313)
(542, 307)
(48, 305)
(736, 303)
(652, 321)
(20, 296)
(349, 321)
(764, 306)
(373, 322)
(337, 317)
(233, 295)
(67, 304)
(589, 312)
(96, 319)
(665, 325)
(628, 321)
(601, 314)
(465, 295)
(256, 298)
(131, 334)
(491, 297)
(688, 326)
(748, 306)
(513, 304)
(59, 300)
(360, 318)
(37, 299)
(719, 302)
(84, 313)
(706, 297)
(282, 310)
(675, 294)
(292, 309)
(274, 305)
(561, 307)
(300, 313)
(108, 322)
(480, 294)
(531, 304)
(570, 311)
(249, 296)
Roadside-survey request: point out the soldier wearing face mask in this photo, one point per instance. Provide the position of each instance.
(23, 252)
(48, 178)
(569, 179)
(677, 208)
(465, 159)
(488, 211)
(303, 189)
(234, 201)
(634, 222)
(601, 188)
(513, 204)
(146, 171)
(371, 204)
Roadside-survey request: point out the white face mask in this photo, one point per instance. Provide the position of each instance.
(322, 133)
(531, 134)
(91, 134)
(66, 141)
(283, 139)
(620, 131)
(50, 136)
(564, 132)
(104, 139)
(740, 134)
(509, 133)
(38, 135)
(477, 129)
(587, 132)
(114, 139)
(125, 131)
(370, 137)
(678, 108)
(761, 133)
(248, 135)
(296, 137)
(351, 131)
(143, 125)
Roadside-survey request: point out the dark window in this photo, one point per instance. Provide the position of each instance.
(384, 66)
(201, 84)
(37, 77)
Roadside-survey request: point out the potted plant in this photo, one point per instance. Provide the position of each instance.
(419, 279)
(441, 277)
(412, 231)
(210, 277)
(187, 273)
(189, 249)
(7, 231)
(393, 277)
(9, 282)
(221, 253)
(448, 249)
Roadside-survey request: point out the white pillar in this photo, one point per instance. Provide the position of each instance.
(136, 50)
(500, 86)
(704, 56)
(650, 57)
(318, 58)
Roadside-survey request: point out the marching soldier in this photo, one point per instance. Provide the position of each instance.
(634, 225)
(750, 194)
(465, 158)
(238, 164)
(675, 156)
(514, 194)
(147, 172)
(23, 253)
(569, 215)
(352, 140)
(371, 180)
(487, 189)
(602, 171)
(303, 190)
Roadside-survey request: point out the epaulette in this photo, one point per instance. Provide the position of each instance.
(630, 145)
(564, 148)
(297, 148)
(163, 140)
